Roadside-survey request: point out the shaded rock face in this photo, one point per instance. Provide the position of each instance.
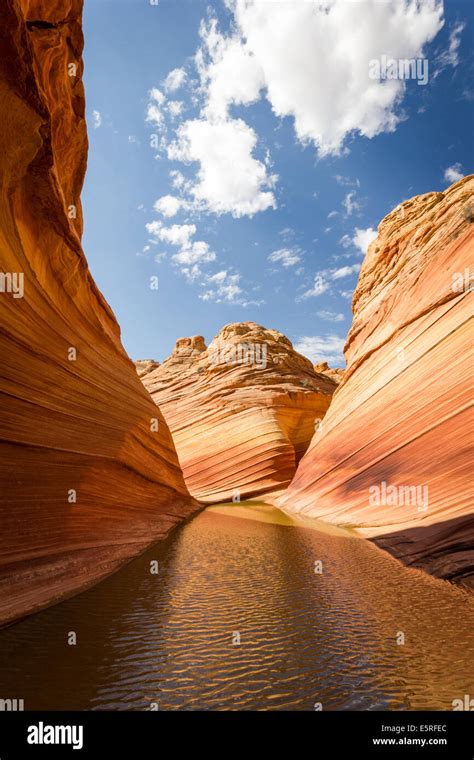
(89, 475)
(401, 418)
(241, 411)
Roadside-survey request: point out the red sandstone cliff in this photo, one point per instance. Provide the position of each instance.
(402, 415)
(86, 479)
(242, 411)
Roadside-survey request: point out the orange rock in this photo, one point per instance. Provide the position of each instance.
(143, 366)
(336, 374)
(86, 480)
(241, 411)
(402, 415)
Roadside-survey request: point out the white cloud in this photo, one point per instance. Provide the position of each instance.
(96, 119)
(157, 96)
(330, 316)
(337, 274)
(329, 348)
(450, 57)
(225, 288)
(313, 67)
(229, 178)
(175, 79)
(154, 113)
(363, 238)
(350, 204)
(167, 205)
(197, 253)
(228, 71)
(174, 107)
(346, 181)
(287, 257)
(453, 173)
(320, 286)
(346, 293)
(177, 234)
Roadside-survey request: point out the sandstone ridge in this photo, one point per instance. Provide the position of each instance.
(242, 410)
(89, 474)
(402, 415)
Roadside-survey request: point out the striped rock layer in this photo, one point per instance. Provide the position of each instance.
(86, 483)
(402, 415)
(241, 411)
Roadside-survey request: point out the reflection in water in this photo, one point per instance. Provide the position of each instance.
(305, 637)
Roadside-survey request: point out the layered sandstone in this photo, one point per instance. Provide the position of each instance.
(402, 415)
(241, 411)
(88, 471)
(336, 373)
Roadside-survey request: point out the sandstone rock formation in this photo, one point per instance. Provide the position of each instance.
(143, 366)
(88, 471)
(336, 373)
(402, 415)
(241, 411)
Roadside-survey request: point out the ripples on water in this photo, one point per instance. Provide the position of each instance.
(305, 637)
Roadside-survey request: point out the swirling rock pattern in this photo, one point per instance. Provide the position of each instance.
(88, 471)
(402, 415)
(241, 411)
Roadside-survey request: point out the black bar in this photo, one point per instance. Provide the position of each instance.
(321, 735)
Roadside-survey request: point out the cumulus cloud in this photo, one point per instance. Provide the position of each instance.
(197, 252)
(168, 205)
(177, 234)
(154, 114)
(287, 257)
(96, 119)
(453, 173)
(225, 287)
(363, 238)
(312, 67)
(228, 70)
(174, 107)
(328, 348)
(175, 79)
(229, 178)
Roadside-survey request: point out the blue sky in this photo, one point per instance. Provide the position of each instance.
(250, 179)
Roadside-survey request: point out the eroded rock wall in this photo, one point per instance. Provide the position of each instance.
(242, 411)
(88, 470)
(402, 415)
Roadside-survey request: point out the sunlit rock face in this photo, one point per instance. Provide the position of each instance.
(402, 416)
(336, 373)
(88, 471)
(242, 411)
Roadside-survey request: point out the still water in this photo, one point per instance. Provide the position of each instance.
(248, 573)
